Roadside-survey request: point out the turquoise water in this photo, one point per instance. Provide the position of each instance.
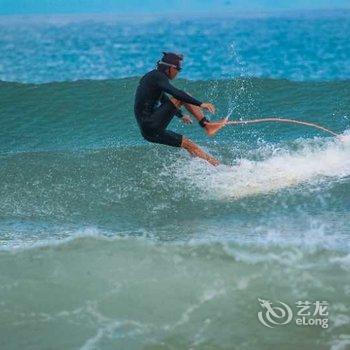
(108, 242)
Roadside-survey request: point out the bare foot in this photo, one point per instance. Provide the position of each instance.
(211, 128)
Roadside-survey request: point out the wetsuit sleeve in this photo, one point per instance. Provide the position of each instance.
(164, 84)
(165, 99)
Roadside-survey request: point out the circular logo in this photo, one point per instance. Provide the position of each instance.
(272, 316)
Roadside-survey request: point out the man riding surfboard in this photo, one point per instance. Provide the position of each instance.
(154, 110)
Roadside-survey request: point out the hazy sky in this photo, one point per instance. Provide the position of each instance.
(8, 7)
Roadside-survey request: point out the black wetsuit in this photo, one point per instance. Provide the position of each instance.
(153, 118)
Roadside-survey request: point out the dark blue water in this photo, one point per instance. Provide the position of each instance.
(56, 49)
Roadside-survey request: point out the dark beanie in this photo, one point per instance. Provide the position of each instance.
(172, 58)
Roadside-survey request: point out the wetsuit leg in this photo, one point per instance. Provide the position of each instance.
(162, 115)
(164, 137)
(154, 129)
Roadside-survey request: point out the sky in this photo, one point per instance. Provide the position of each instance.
(127, 7)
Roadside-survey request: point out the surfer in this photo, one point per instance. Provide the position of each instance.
(154, 109)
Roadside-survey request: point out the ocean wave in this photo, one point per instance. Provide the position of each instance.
(117, 293)
(313, 162)
(112, 188)
(72, 157)
(99, 114)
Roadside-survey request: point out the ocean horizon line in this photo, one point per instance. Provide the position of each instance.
(240, 14)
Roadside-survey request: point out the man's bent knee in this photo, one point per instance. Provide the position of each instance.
(187, 143)
(184, 142)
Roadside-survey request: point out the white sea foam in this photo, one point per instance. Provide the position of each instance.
(343, 261)
(315, 161)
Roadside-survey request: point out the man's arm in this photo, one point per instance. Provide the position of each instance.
(164, 84)
(165, 99)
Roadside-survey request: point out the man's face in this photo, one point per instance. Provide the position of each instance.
(173, 72)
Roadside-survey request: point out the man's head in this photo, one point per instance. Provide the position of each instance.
(170, 64)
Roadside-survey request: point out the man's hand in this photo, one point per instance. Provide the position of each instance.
(208, 106)
(186, 119)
